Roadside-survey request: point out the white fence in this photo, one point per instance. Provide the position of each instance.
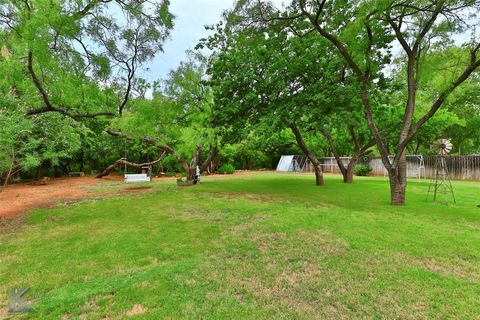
(459, 167)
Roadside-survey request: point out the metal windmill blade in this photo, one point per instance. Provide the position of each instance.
(443, 147)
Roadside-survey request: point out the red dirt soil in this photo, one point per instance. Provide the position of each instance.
(21, 197)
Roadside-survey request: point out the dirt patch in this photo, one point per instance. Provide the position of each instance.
(21, 197)
(137, 309)
(458, 269)
(130, 189)
(11, 224)
(245, 195)
(289, 268)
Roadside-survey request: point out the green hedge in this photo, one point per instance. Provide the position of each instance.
(362, 170)
(228, 168)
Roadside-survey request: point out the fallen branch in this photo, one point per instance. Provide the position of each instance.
(124, 162)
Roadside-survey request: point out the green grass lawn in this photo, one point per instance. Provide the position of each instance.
(253, 246)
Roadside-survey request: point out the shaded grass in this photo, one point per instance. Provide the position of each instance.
(254, 246)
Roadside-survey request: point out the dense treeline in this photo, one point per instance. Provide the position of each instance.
(322, 78)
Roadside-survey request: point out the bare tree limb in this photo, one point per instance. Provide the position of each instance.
(49, 107)
(146, 139)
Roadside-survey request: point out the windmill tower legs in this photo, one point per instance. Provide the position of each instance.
(440, 184)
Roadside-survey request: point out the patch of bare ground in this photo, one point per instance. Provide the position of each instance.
(21, 197)
(11, 224)
(91, 305)
(458, 269)
(136, 309)
(130, 189)
(4, 312)
(287, 268)
(265, 198)
(243, 195)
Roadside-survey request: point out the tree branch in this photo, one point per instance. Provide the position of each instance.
(333, 148)
(146, 139)
(442, 97)
(49, 107)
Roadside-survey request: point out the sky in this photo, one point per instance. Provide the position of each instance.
(190, 18)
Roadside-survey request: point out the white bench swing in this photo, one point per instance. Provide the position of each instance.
(141, 177)
(138, 177)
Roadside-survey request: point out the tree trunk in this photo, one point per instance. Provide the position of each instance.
(211, 156)
(347, 172)
(188, 172)
(343, 169)
(318, 175)
(348, 176)
(310, 155)
(191, 167)
(81, 161)
(335, 152)
(7, 178)
(399, 185)
(417, 147)
(160, 163)
(397, 191)
(90, 162)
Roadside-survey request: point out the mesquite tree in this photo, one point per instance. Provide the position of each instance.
(75, 60)
(253, 85)
(296, 82)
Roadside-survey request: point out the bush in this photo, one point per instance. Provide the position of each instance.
(361, 170)
(228, 168)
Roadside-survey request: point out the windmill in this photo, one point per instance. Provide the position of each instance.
(443, 147)
(440, 182)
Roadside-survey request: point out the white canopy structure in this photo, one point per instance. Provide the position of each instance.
(285, 163)
(291, 163)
